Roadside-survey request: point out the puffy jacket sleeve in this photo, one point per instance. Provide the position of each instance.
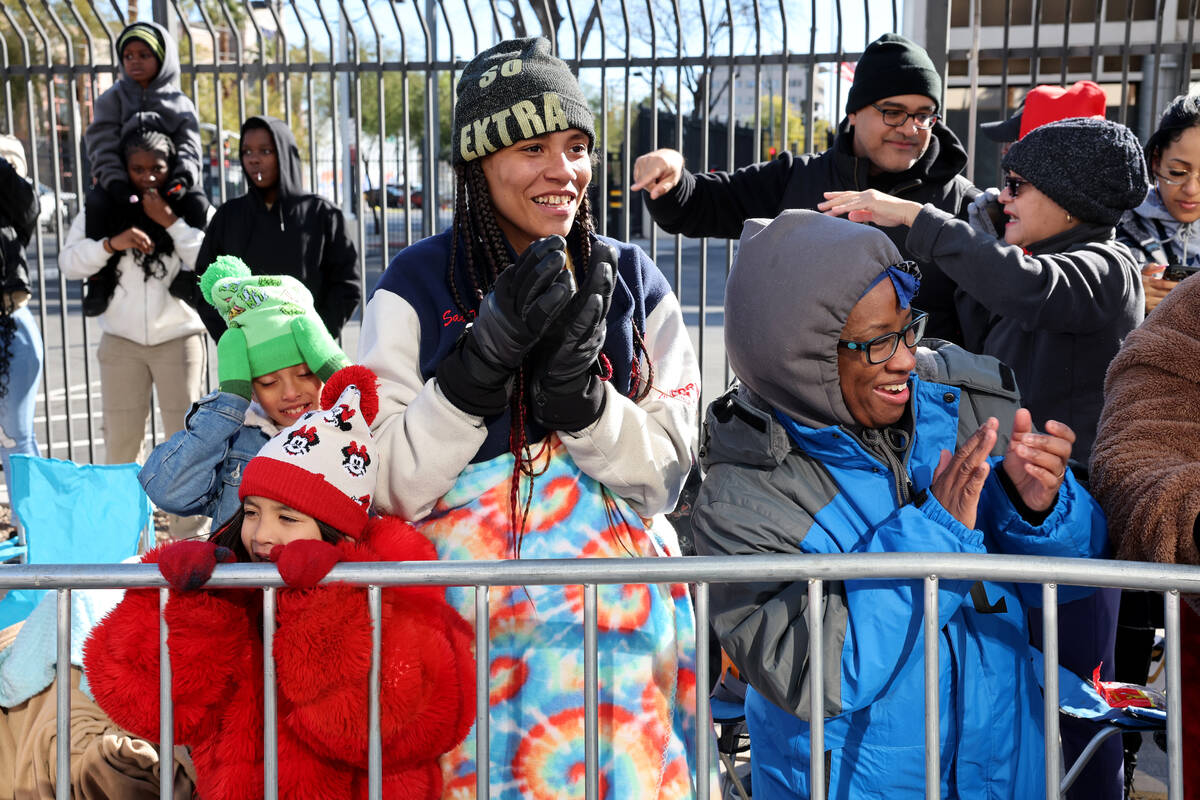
(18, 202)
(323, 653)
(183, 474)
(103, 138)
(340, 288)
(210, 637)
(80, 256)
(1145, 467)
(717, 203)
(1075, 528)
(643, 450)
(188, 241)
(1078, 291)
(424, 442)
(870, 630)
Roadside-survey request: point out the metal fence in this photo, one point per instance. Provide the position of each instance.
(816, 570)
(368, 87)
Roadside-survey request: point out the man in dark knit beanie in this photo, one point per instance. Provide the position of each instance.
(891, 139)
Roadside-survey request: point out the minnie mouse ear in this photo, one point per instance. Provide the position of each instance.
(360, 377)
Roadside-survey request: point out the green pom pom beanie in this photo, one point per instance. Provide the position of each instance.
(262, 307)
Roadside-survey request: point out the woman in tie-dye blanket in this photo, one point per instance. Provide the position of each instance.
(555, 425)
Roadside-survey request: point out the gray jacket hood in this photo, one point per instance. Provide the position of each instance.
(1182, 237)
(168, 72)
(792, 286)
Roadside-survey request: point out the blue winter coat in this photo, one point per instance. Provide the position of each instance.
(821, 491)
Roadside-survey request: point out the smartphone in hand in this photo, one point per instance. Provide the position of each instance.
(1178, 272)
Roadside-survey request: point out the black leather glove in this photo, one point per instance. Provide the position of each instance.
(477, 376)
(566, 389)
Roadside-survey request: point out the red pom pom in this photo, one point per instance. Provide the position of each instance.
(354, 375)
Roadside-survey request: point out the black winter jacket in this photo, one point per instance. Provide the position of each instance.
(18, 222)
(1056, 312)
(303, 235)
(718, 203)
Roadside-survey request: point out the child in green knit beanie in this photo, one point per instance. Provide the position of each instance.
(272, 363)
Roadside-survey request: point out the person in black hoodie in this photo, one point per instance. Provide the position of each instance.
(277, 228)
(20, 340)
(891, 140)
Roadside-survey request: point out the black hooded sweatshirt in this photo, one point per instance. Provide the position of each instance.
(718, 203)
(303, 235)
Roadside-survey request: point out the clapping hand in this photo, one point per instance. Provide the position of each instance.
(1036, 463)
(959, 478)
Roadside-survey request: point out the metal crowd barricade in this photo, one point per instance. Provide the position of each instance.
(665, 73)
(817, 570)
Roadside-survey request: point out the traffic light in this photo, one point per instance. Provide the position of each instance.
(771, 151)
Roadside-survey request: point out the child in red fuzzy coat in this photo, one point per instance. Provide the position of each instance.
(305, 498)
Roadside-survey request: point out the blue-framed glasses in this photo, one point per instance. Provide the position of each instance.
(881, 348)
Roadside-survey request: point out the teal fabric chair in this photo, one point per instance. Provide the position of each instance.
(70, 513)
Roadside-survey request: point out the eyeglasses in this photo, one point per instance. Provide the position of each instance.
(1014, 185)
(895, 117)
(881, 348)
(1177, 177)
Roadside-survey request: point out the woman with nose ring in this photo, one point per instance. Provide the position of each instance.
(1162, 231)
(538, 399)
(278, 228)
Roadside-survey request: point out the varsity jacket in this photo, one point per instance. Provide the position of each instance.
(640, 450)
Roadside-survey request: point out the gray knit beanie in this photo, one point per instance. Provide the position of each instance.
(1093, 168)
(516, 90)
(893, 65)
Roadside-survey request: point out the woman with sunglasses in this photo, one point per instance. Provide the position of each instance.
(1053, 300)
(1162, 230)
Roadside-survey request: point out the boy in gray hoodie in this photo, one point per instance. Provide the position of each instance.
(147, 94)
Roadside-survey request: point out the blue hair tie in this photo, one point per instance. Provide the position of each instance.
(906, 278)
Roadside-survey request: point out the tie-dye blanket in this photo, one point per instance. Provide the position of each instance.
(647, 634)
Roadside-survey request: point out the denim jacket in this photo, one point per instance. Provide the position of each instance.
(199, 469)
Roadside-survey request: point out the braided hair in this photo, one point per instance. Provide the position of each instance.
(149, 140)
(485, 254)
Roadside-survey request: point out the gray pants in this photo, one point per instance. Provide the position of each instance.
(174, 368)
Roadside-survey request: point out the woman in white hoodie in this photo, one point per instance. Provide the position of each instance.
(1163, 229)
(150, 337)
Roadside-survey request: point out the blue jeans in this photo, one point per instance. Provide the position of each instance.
(17, 405)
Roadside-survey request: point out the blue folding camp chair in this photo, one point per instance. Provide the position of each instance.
(70, 513)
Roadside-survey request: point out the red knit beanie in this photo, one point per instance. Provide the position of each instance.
(324, 464)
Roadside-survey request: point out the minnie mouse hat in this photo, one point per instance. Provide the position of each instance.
(324, 464)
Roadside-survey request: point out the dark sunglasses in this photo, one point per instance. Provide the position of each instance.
(1014, 185)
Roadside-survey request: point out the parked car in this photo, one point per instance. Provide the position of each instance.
(46, 207)
(395, 196)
